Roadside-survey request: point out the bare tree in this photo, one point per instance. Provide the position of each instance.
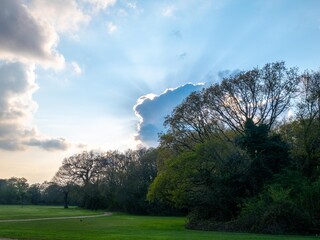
(309, 104)
(308, 117)
(83, 168)
(259, 94)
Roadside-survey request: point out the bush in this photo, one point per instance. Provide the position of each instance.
(284, 217)
(274, 212)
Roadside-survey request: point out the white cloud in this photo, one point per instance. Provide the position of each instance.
(17, 82)
(122, 13)
(168, 11)
(132, 5)
(111, 27)
(98, 5)
(17, 86)
(64, 16)
(76, 68)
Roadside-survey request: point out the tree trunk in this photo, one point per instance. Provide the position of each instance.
(66, 199)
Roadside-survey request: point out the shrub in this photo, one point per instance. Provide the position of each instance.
(284, 217)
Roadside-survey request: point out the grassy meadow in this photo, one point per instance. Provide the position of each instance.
(32, 211)
(118, 226)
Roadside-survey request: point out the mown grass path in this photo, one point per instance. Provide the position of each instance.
(107, 214)
(9, 212)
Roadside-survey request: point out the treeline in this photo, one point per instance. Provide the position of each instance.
(240, 155)
(113, 180)
(18, 191)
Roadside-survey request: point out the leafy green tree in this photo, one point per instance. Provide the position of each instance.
(201, 181)
(268, 152)
(34, 193)
(18, 188)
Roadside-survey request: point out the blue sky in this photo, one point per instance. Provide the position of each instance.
(101, 74)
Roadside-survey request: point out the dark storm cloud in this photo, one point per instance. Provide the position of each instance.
(49, 144)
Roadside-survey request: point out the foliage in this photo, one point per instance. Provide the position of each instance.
(269, 155)
(14, 190)
(275, 211)
(201, 181)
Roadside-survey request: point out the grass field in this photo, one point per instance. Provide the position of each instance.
(118, 226)
(29, 211)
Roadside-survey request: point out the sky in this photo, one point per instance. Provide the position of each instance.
(79, 75)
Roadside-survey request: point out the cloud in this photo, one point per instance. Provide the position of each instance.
(132, 5)
(29, 36)
(24, 38)
(76, 68)
(168, 11)
(17, 86)
(111, 27)
(98, 5)
(17, 81)
(64, 16)
(29, 30)
(151, 110)
(182, 55)
(177, 34)
(49, 144)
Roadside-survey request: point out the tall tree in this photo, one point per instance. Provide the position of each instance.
(307, 128)
(82, 169)
(189, 124)
(259, 94)
(19, 187)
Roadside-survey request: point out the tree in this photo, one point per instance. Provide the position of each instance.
(51, 193)
(140, 172)
(63, 183)
(34, 192)
(3, 191)
(308, 126)
(82, 169)
(189, 124)
(259, 94)
(268, 152)
(201, 181)
(19, 187)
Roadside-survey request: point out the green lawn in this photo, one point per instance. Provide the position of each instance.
(118, 226)
(31, 211)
